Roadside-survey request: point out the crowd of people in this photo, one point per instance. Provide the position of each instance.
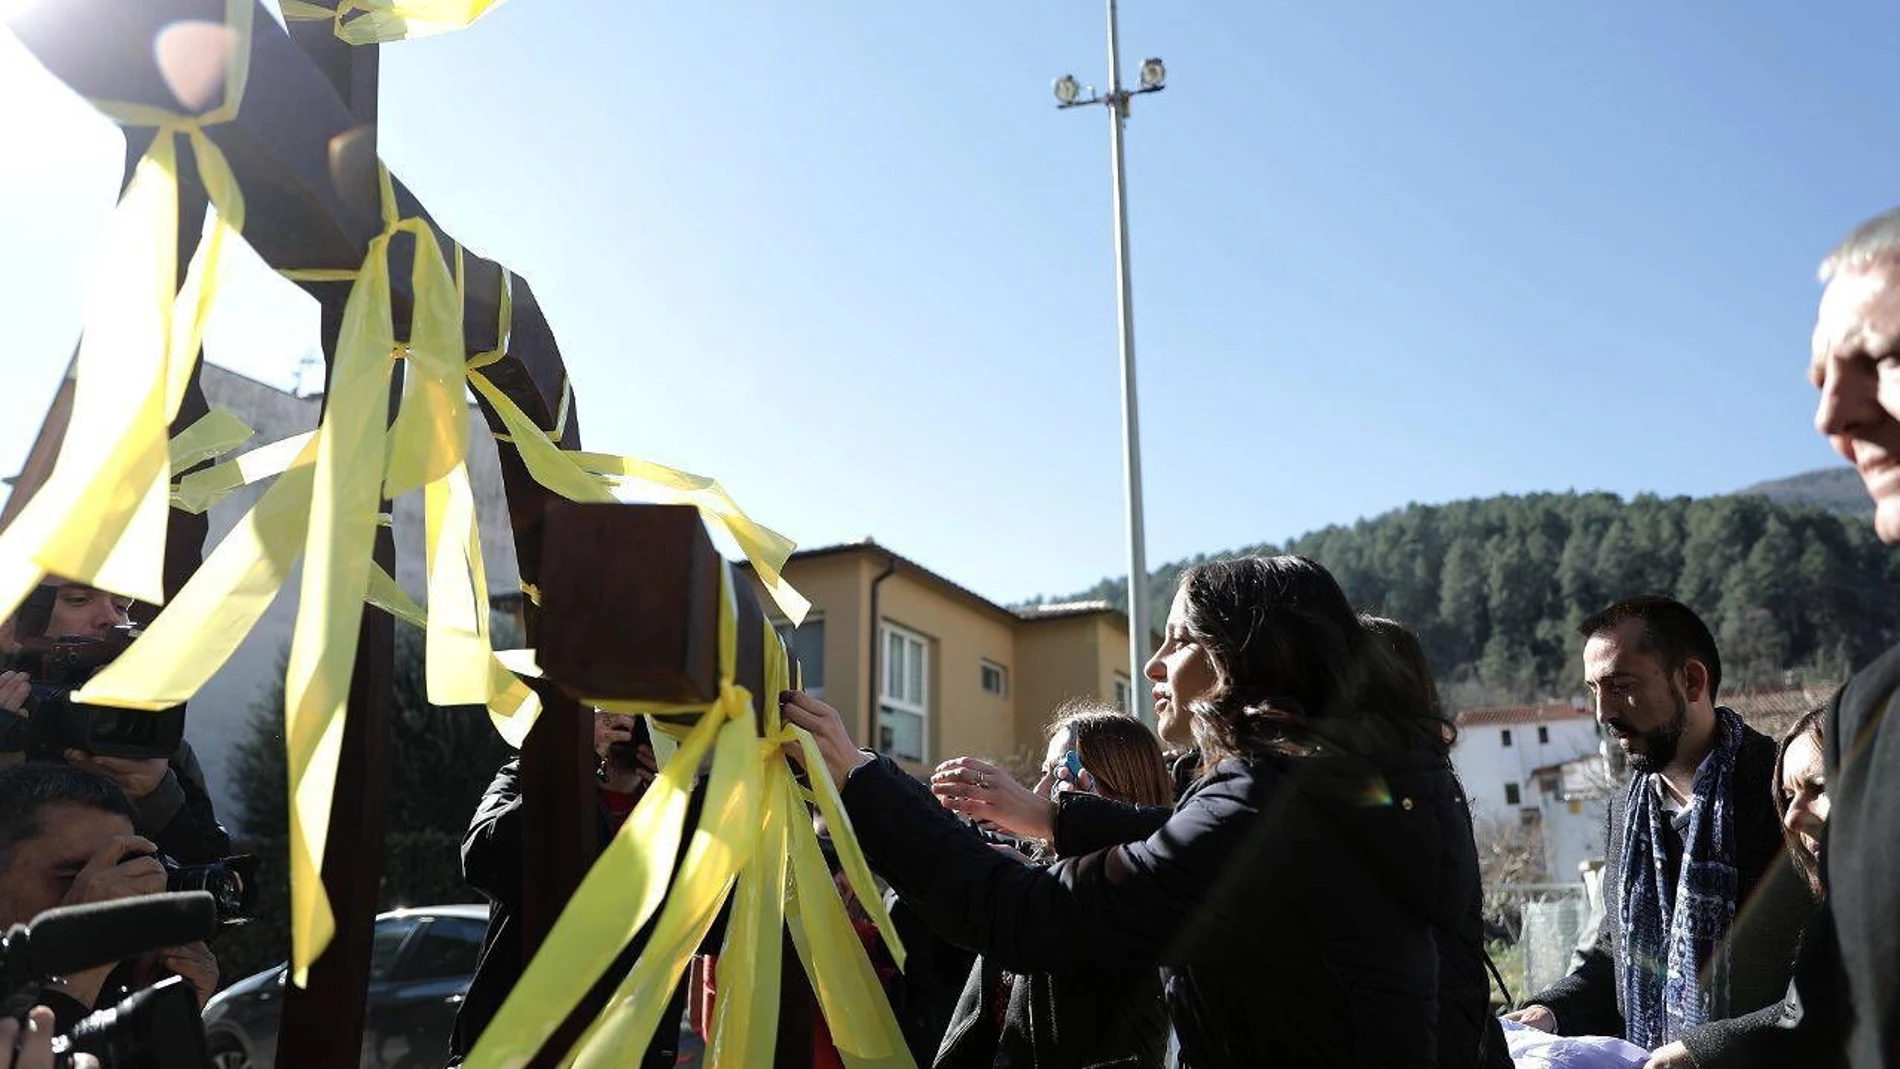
(1310, 896)
(1287, 875)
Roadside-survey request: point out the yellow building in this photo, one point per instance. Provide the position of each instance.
(926, 670)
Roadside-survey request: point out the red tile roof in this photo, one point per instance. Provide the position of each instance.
(1767, 709)
(1522, 714)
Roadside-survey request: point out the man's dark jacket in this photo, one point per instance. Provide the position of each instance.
(178, 818)
(1763, 939)
(491, 863)
(1290, 902)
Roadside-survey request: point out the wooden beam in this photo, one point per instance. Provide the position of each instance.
(326, 1017)
(303, 150)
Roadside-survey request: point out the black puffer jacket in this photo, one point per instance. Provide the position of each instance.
(1079, 1019)
(1290, 902)
(1468, 1036)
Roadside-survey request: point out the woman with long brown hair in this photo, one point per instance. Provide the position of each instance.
(1293, 897)
(1801, 795)
(1071, 1018)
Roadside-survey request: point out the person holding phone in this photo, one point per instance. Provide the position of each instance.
(1065, 1018)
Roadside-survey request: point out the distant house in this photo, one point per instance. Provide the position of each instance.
(1499, 751)
(1572, 800)
(1544, 767)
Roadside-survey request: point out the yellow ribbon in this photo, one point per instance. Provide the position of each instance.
(754, 809)
(100, 518)
(383, 21)
(212, 435)
(201, 490)
(580, 476)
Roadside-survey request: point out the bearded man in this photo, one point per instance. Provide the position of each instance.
(1701, 914)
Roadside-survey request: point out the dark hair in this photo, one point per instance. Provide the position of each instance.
(35, 613)
(1671, 630)
(1287, 651)
(1403, 658)
(27, 790)
(1810, 724)
(1118, 750)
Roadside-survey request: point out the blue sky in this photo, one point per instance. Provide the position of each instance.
(848, 258)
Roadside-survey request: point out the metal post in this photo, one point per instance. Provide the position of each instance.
(1131, 431)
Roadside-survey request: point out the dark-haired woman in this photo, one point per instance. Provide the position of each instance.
(1801, 795)
(1293, 898)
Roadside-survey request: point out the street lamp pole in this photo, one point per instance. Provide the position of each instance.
(1153, 76)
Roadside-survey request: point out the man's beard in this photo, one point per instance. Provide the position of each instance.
(1659, 744)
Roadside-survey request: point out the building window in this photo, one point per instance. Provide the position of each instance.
(1543, 735)
(995, 679)
(1504, 737)
(1511, 796)
(806, 644)
(903, 715)
(1124, 698)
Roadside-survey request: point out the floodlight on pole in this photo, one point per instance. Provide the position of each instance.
(1154, 77)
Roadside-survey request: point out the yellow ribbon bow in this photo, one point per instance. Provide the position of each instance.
(100, 517)
(384, 21)
(755, 842)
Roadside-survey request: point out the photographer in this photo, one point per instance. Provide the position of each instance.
(66, 839)
(491, 863)
(170, 802)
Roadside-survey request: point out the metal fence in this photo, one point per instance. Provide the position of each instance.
(1532, 931)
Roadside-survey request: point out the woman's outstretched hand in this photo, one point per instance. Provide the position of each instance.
(981, 790)
(827, 729)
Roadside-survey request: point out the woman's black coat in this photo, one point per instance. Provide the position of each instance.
(1291, 903)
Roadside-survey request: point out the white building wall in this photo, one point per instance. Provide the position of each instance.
(1573, 833)
(1485, 764)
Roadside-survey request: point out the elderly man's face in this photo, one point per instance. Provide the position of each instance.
(1856, 366)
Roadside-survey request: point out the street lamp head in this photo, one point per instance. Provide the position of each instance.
(1067, 90)
(1153, 74)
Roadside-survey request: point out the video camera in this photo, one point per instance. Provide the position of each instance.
(230, 881)
(154, 1028)
(54, 723)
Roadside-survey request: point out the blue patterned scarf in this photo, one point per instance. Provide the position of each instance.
(1674, 937)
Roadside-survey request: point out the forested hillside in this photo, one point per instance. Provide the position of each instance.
(1496, 587)
(1837, 489)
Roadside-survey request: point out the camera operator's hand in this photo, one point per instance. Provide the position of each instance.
(138, 777)
(35, 1051)
(15, 689)
(193, 963)
(125, 867)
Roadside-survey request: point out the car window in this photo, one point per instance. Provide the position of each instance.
(387, 945)
(448, 947)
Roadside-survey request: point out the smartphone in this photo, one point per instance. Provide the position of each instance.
(1073, 762)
